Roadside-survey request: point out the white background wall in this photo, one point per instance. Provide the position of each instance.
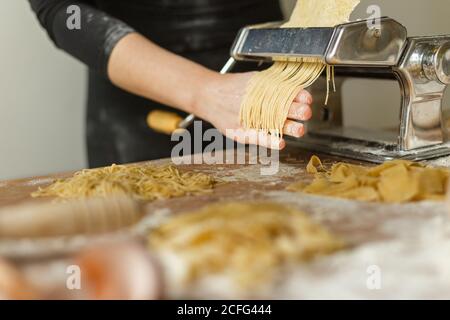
(41, 99)
(42, 90)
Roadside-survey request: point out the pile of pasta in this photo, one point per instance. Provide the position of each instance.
(396, 181)
(142, 182)
(247, 241)
(270, 93)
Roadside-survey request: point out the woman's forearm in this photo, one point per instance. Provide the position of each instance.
(135, 64)
(141, 67)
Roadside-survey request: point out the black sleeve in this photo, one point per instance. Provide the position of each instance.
(93, 42)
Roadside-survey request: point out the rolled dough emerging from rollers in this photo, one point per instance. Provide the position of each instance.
(247, 241)
(396, 181)
(270, 93)
(321, 13)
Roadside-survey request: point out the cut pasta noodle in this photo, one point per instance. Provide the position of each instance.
(270, 93)
(248, 240)
(143, 182)
(396, 181)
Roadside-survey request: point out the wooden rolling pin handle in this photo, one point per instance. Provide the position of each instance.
(167, 122)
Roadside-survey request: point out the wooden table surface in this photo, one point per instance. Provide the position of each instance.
(245, 183)
(238, 178)
(360, 224)
(240, 182)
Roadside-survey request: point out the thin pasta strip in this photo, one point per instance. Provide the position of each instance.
(143, 182)
(270, 93)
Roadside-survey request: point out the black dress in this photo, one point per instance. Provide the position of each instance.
(200, 30)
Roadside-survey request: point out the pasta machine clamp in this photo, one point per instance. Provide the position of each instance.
(421, 66)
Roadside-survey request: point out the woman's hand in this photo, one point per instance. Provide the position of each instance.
(219, 103)
(143, 68)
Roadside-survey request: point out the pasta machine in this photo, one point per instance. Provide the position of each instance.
(421, 65)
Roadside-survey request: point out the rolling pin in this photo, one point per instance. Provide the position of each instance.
(168, 122)
(87, 217)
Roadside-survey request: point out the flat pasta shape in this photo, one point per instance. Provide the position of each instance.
(247, 240)
(396, 181)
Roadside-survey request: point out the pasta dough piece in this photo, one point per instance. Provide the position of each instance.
(396, 181)
(315, 165)
(143, 182)
(270, 93)
(397, 184)
(321, 13)
(246, 240)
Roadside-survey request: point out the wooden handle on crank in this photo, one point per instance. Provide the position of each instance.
(163, 121)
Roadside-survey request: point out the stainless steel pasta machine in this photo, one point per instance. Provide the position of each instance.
(421, 65)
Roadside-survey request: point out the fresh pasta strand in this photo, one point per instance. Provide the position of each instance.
(270, 93)
(143, 182)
